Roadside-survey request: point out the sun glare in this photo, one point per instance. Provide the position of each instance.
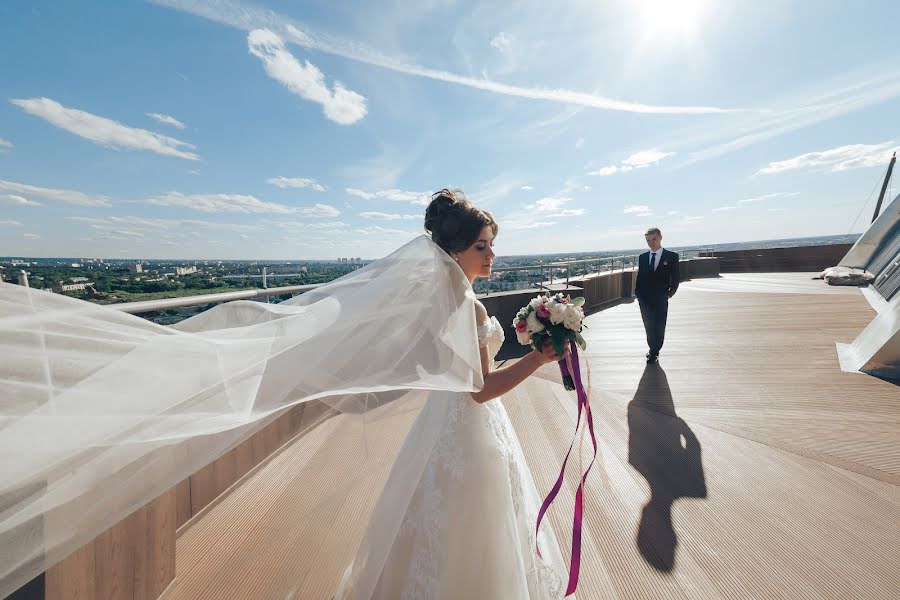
(671, 17)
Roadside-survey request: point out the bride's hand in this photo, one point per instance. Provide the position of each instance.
(548, 355)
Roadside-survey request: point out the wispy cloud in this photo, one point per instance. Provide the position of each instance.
(103, 131)
(638, 160)
(501, 42)
(10, 224)
(137, 223)
(842, 158)
(823, 101)
(238, 203)
(6, 145)
(248, 18)
(380, 216)
(724, 208)
(765, 197)
(18, 200)
(527, 188)
(640, 210)
(552, 207)
(22, 191)
(166, 120)
(394, 195)
(296, 182)
(32, 236)
(340, 105)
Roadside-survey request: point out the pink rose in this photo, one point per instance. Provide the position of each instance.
(542, 311)
(521, 325)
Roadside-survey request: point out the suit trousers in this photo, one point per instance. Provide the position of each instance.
(654, 311)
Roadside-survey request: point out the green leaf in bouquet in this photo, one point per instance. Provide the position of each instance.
(579, 301)
(558, 339)
(537, 340)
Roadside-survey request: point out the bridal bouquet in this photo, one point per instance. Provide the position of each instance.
(560, 319)
(556, 317)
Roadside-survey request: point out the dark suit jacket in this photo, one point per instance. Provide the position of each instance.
(664, 280)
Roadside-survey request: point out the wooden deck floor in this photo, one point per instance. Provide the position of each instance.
(745, 464)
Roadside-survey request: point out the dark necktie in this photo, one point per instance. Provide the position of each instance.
(653, 261)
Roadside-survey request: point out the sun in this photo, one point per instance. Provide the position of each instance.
(671, 18)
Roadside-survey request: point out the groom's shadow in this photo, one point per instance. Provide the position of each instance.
(667, 453)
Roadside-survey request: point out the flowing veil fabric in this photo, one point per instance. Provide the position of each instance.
(103, 411)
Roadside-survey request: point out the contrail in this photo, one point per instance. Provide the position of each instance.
(248, 18)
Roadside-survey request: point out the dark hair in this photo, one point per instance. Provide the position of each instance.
(455, 223)
(653, 231)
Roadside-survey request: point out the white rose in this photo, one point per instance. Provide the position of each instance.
(572, 318)
(557, 312)
(535, 301)
(523, 337)
(534, 326)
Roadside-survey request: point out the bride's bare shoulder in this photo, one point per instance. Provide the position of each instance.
(481, 314)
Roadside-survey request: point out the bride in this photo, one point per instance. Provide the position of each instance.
(468, 529)
(103, 411)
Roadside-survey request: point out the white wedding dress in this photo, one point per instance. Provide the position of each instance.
(468, 531)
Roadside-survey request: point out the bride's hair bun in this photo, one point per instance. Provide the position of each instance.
(455, 223)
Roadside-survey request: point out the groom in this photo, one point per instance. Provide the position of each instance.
(657, 281)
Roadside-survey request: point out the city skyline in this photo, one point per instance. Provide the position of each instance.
(230, 130)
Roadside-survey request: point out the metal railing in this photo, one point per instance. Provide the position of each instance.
(540, 276)
(145, 306)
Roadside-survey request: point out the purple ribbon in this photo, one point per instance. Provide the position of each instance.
(572, 366)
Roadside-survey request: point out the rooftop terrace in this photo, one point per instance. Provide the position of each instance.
(744, 464)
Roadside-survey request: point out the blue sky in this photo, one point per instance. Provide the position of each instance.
(287, 130)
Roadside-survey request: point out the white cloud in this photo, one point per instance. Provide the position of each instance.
(638, 160)
(610, 170)
(296, 182)
(842, 158)
(552, 207)
(724, 208)
(579, 143)
(378, 230)
(501, 42)
(19, 200)
(768, 197)
(645, 158)
(248, 18)
(340, 105)
(672, 212)
(166, 120)
(103, 131)
(23, 191)
(33, 236)
(10, 224)
(380, 216)
(527, 188)
(520, 225)
(638, 209)
(394, 195)
(238, 203)
(135, 223)
(5, 145)
(693, 218)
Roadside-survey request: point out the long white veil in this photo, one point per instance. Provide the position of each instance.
(101, 411)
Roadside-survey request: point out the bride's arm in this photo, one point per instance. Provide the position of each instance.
(497, 383)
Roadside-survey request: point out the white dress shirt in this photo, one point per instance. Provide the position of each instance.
(658, 258)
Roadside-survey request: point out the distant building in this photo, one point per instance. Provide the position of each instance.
(23, 278)
(185, 270)
(73, 287)
(78, 279)
(136, 268)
